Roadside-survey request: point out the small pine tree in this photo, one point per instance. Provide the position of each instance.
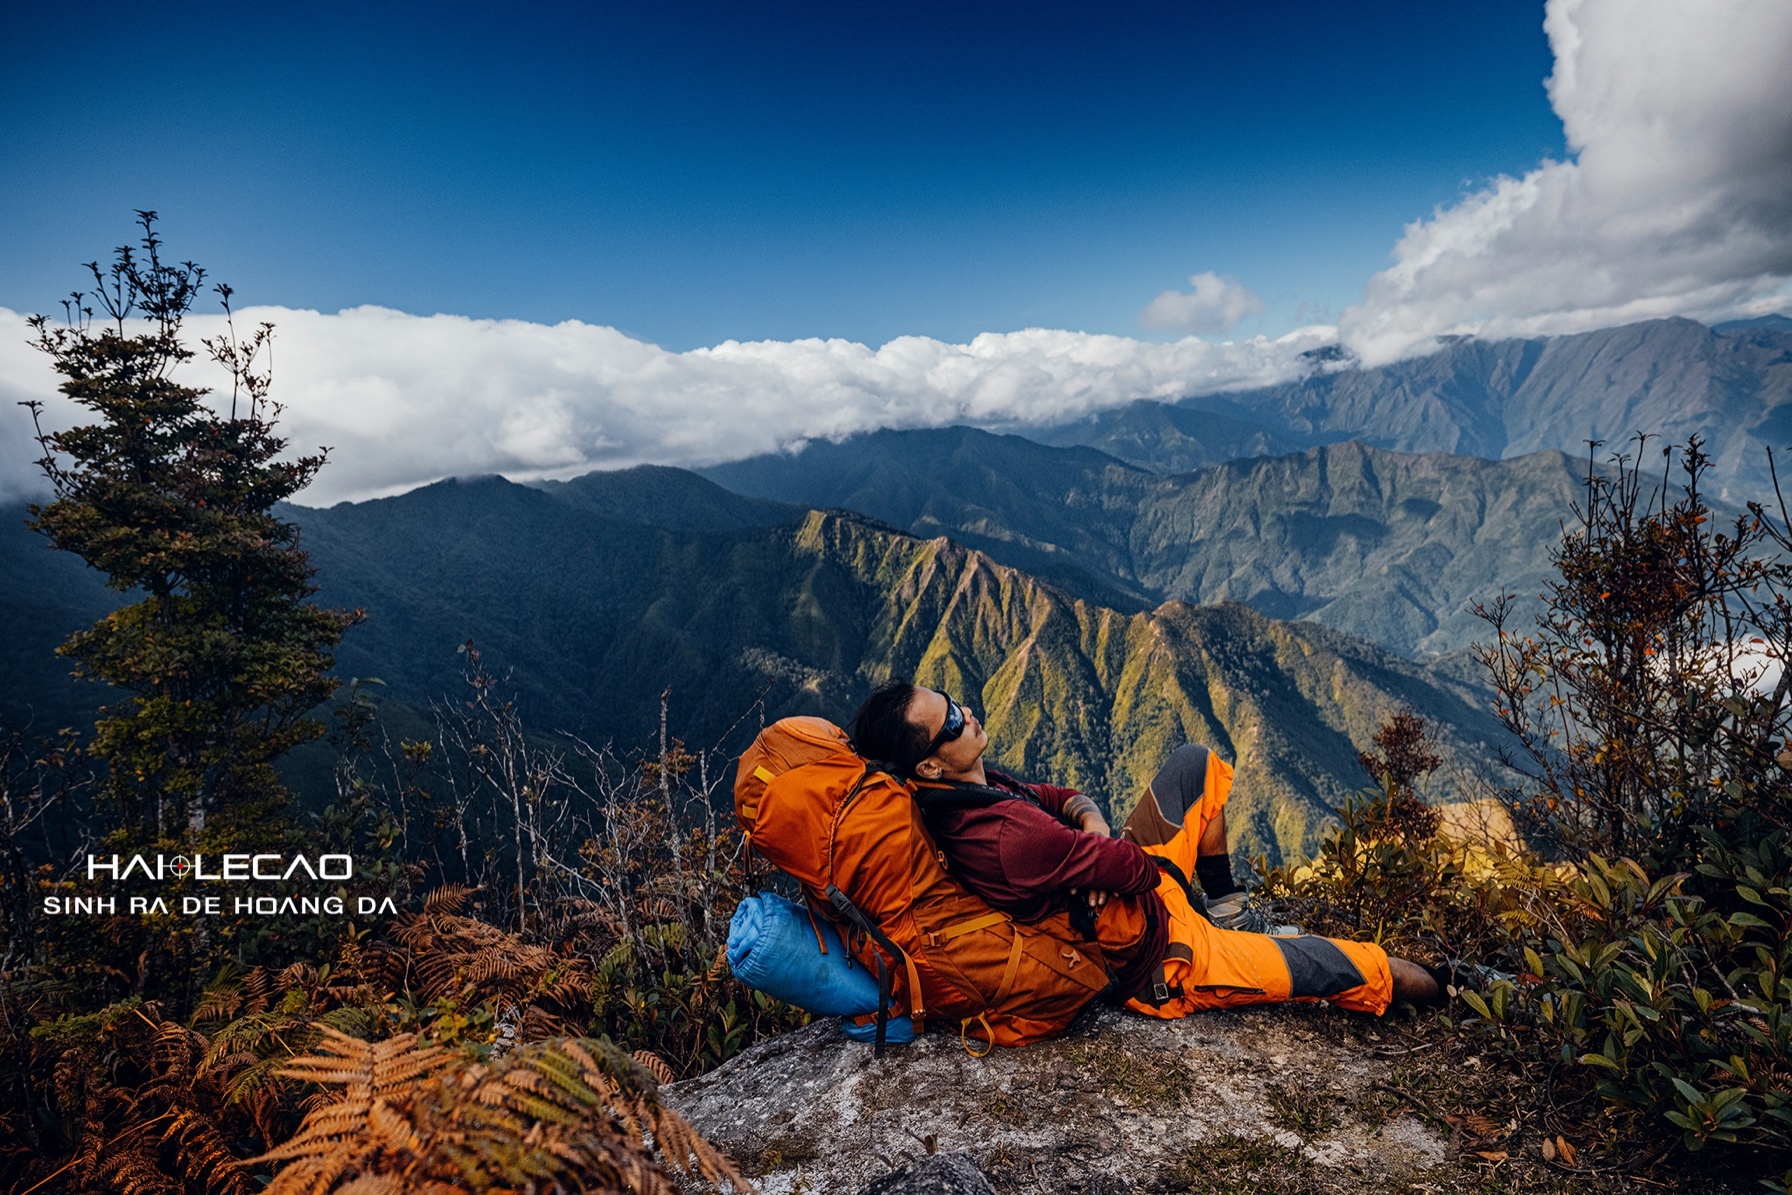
(223, 656)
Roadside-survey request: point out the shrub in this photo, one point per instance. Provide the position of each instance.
(1648, 713)
(1388, 876)
(1647, 683)
(1672, 1008)
(1392, 873)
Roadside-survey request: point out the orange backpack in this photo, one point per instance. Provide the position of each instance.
(851, 833)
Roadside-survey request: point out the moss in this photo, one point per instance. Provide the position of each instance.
(1302, 1109)
(1242, 1166)
(1006, 1109)
(1130, 1075)
(780, 1153)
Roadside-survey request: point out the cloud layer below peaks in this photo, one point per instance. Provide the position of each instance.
(403, 400)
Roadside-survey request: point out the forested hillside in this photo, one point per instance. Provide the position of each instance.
(1391, 547)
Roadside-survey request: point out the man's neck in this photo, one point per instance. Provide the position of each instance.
(971, 775)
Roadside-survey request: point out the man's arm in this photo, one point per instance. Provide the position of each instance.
(1040, 854)
(1075, 808)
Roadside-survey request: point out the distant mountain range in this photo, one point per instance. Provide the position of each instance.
(1392, 547)
(1495, 399)
(592, 615)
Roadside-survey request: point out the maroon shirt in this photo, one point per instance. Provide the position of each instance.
(1022, 858)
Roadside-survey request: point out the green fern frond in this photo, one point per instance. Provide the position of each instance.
(617, 958)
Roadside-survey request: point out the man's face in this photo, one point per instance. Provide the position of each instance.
(927, 709)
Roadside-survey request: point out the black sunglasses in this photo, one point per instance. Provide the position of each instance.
(951, 729)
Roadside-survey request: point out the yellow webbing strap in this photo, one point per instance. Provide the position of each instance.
(764, 774)
(1008, 975)
(917, 1014)
(965, 1039)
(965, 927)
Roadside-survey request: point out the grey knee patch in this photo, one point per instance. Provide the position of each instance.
(1316, 967)
(1180, 782)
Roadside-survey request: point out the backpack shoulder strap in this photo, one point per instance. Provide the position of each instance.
(952, 794)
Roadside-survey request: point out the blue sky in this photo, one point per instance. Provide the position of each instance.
(694, 173)
(537, 241)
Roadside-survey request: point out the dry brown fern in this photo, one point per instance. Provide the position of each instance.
(654, 1065)
(447, 899)
(455, 957)
(569, 1114)
(203, 1154)
(297, 985)
(270, 1016)
(149, 1121)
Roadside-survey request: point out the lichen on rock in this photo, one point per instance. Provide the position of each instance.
(1122, 1103)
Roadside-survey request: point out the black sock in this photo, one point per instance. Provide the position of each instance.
(1215, 874)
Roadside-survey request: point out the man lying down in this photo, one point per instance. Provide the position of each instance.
(1039, 848)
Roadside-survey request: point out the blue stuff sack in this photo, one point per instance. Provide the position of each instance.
(772, 948)
(898, 1031)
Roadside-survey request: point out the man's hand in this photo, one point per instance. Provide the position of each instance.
(1096, 899)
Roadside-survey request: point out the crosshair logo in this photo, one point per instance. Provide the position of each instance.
(180, 867)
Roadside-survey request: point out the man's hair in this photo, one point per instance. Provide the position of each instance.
(881, 729)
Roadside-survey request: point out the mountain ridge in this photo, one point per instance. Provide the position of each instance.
(1497, 399)
(1390, 546)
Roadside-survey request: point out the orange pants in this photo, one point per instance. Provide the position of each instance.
(1208, 967)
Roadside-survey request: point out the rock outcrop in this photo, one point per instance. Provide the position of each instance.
(1122, 1104)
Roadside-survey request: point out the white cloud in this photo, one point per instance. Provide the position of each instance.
(1678, 199)
(1215, 304)
(403, 400)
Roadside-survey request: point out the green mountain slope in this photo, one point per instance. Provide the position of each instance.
(44, 596)
(593, 616)
(673, 498)
(1097, 697)
(1392, 547)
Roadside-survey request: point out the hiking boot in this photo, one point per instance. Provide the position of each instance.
(1236, 911)
(1459, 975)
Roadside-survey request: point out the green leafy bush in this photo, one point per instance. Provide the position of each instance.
(1671, 1007)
